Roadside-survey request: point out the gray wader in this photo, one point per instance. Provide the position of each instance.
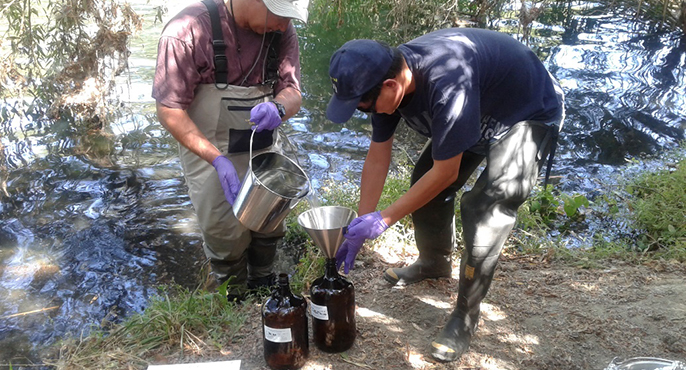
(488, 212)
(223, 115)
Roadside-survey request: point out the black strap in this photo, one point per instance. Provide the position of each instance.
(272, 67)
(221, 68)
(554, 130)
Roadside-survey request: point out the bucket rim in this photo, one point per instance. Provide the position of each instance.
(257, 180)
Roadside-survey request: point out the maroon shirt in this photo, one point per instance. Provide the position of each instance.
(185, 58)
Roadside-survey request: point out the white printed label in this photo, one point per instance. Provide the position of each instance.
(277, 335)
(319, 312)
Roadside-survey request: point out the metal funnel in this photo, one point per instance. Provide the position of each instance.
(326, 225)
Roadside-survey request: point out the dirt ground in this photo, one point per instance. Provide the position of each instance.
(537, 315)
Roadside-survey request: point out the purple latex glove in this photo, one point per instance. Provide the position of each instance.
(368, 226)
(347, 253)
(265, 116)
(227, 177)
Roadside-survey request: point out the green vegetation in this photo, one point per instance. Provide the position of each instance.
(177, 320)
(546, 206)
(405, 19)
(62, 59)
(658, 207)
(645, 214)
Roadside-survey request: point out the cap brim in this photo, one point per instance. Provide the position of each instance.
(340, 111)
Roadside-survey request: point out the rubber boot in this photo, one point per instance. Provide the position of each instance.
(476, 275)
(488, 213)
(431, 264)
(435, 236)
(454, 339)
(434, 224)
(261, 254)
(236, 273)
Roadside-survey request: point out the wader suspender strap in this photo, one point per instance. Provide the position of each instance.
(272, 67)
(554, 132)
(221, 69)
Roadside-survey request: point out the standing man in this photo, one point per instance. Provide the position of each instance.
(224, 70)
(475, 94)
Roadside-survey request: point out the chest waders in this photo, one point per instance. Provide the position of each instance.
(222, 113)
(488, 213)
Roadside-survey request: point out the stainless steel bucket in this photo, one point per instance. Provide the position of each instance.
(273, 186)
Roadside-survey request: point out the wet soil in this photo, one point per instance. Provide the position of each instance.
(539, 314)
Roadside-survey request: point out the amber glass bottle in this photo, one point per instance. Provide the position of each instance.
(333, 310)
(284, 321)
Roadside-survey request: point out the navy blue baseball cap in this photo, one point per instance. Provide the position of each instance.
(355, 68)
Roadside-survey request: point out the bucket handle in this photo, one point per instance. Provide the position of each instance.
(283, 134)
(295, 154)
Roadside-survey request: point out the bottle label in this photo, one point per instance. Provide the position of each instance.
(277, 335)
(319, 312)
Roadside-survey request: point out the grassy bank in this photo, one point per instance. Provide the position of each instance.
(639, 217)
(178, 322)
(175, 322)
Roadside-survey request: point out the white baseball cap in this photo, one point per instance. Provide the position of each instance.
(289, 8)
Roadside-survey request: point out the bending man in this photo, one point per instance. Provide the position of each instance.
(475, 94)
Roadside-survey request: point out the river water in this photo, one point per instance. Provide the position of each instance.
(85, 238)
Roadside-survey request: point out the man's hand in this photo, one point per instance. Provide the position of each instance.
(347, 253)
(368, 226)
(265, 116)
(227, 177)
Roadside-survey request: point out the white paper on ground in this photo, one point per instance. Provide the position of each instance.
(220, 365)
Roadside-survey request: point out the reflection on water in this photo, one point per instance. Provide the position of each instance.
(96, 272)
(84, 245)
(94, 222)
(625, 94)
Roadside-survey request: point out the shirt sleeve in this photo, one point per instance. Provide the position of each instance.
(289, 64)
(173, 85)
